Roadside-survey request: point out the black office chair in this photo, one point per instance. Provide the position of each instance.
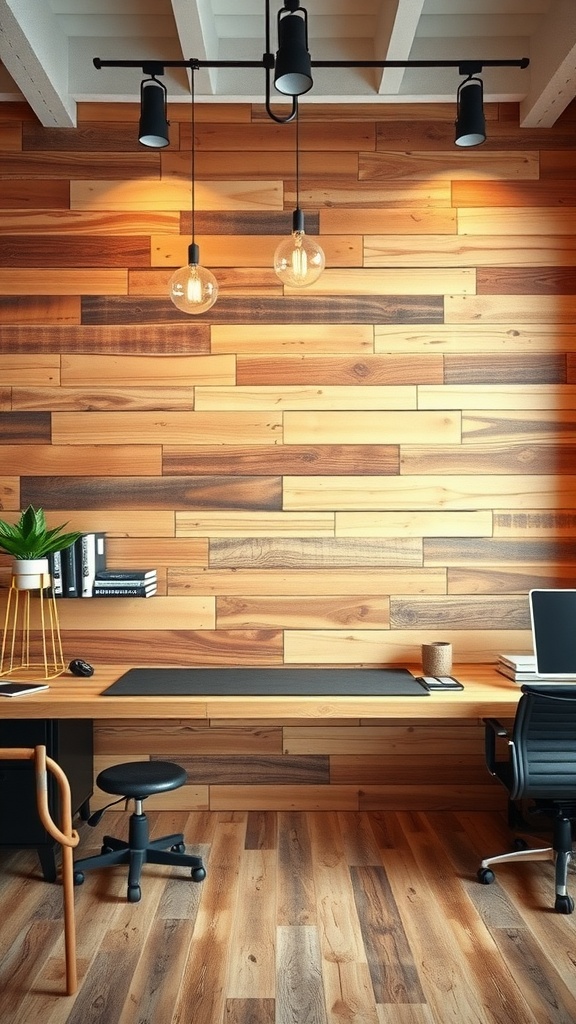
(136, 780)
(541, 770)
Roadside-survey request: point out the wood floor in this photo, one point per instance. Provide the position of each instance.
(304, 918)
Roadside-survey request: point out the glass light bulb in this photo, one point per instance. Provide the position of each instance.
(299, 260)
(193, 288)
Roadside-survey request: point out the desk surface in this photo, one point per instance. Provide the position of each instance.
(486, 692)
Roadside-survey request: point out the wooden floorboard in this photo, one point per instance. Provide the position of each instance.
(304, 918)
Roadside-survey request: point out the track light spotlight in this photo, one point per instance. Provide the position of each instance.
(470, 122)
(292, 68)
(153, 127)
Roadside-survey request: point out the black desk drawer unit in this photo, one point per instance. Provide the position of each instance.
(70, 743)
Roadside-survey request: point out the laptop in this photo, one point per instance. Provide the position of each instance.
(553, 618)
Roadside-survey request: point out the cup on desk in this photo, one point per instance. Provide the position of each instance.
(437, 658)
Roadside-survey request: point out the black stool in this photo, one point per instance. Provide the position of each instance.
(137, 780)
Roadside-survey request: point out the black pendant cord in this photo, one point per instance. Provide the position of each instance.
(193, 198)
(297, 216)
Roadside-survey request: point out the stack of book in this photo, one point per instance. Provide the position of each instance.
(74, 569)
(522, 669)
(125, 583)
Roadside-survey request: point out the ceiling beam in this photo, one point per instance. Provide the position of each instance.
(194, 20)
(552, 64)
(35, 53)
(394, 37)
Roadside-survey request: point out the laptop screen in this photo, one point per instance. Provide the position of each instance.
(553, 616)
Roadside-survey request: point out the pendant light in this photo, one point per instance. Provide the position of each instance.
(193, 288)
(298, 260)
(470, 121)
(154, 123)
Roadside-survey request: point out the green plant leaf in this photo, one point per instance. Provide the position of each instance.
(30, 537)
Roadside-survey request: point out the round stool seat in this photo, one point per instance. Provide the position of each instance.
(139, 779)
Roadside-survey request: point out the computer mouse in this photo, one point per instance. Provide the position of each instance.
(79, 667)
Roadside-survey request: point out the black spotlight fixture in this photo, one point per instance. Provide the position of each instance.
(470, 121)
(153, 127)
(292, 67)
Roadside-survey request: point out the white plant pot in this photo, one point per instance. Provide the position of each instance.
(30, 573)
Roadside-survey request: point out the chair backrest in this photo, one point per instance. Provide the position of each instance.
(544, 743)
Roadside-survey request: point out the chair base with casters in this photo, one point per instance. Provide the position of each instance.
(137, 780)
(560, 852)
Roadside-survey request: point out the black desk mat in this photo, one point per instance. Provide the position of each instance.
(261, 682)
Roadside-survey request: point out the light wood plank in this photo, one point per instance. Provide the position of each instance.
(394, 282)
(32, 370)
(170, 194)
(508, 399)
(294, 582)
(328, 397)
(183, 371)
(166, 427)
(415, 524)
(388, 222)
(298, 612)
(370, 427)
(526, 309)
(71, 460)
(314, 552)
(84, 222)
(547, 249)
(254, 524)
(257, 251)
(471, 338)
(153, 613)
(496, 166)
(518, 221)
(63, 282)
(264, 339)
(392, 647)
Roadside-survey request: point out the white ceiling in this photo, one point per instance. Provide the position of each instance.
(47, 49)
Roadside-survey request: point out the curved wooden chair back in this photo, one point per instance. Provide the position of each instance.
(65, 835)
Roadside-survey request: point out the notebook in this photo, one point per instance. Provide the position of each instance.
(553, 618)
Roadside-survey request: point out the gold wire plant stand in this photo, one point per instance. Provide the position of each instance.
(18, 635)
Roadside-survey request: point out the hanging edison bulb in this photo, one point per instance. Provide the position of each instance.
(298, 260)
(193, 288)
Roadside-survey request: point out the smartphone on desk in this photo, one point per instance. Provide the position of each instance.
(440, 683)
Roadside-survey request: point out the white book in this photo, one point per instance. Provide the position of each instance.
(92, 558)
(520, 662)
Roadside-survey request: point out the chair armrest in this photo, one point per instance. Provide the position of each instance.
(493, 730)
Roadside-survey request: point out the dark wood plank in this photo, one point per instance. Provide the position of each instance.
(297, 903)
(243, 769)
(28, 194)
(525, 281)
(431, 135)
(133, 339)
(261, 830)
(79, 251)
(298, 460)
(497, 458)
(103, 399)
(508, 580)
(505, 369)
(250, 1011)
(468, 551)
(89, 165)
(25, 428)
(95, 136)
(245, 222)
(210, 492)
(353, 309)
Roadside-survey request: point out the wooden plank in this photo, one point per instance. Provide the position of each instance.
(430, 135)
(151, 493)
(258, 251)
(110, 339)
(231, 280)
(177, 112)
(258, 770)
(264, 460)
(474, 338)
(251, 979)
(425, 742)
(420, 164)
(302, 611)
(331, 397)
(415, 524)
(41, 309)
(78, 164)
(493, 551)
(535, 524)
(395, 282)
(422, 493)
(268, 164)
(254, 524)
(277, 553)
(263, 339)
(187, 647)
(183, 371)
(544, 192)
(509, 400)
(84, 222)
(426, 222)
(552, 425)
(113, 738)
(299, 986)
(311, 309)
(71, 460)
(168, 613)
(295, 582)
(16, 428)
(34, 370)
(172, 428)
(282, 798)
(527, 281)
(122, 523)
(557, 164)
(79, 251)
(35, 195)
(325, 137)
(372, 647)
(509, 579)
(371, 370)
(62, 282)
(134, 552)
(526, 309)
(517, 221)
(240, 222)
(10, 139)
(495, 457)
(459, 613)
(535, 368)
(102, 399)
(398, 427)
(350, 193)
(465, 250)
(171, 194)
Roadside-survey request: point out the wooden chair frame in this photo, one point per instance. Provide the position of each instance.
(65, 835)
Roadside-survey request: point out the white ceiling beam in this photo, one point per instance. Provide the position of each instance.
(552, 68)
(35, 53)
(196, 30)
(394, 39)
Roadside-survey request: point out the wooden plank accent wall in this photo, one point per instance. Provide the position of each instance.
(323, 477)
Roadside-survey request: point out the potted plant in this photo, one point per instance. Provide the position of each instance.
(30, 541)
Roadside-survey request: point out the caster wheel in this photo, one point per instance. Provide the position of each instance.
(198, 874)
(134, 894)
(485, 876)
(78, 877)
(179, 848)
(564, 905)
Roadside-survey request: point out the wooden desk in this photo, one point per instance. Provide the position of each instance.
(278, 752)
(486, 693)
